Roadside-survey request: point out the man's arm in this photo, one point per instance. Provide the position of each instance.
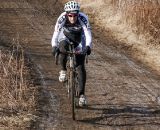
(87, 29)
(59, 24)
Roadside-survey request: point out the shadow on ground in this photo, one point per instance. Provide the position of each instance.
(130, 115)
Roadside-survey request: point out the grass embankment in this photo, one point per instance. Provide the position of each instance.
(17, 93)
(142, 16)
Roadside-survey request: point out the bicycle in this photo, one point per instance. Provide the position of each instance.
(71, 81)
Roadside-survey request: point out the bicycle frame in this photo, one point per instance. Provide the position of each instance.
(72, 85)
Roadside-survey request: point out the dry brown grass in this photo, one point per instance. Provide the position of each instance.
(142, 14)
(17, 100)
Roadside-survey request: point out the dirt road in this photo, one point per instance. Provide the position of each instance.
(122, 94)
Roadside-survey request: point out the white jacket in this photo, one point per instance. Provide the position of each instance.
(83, 20)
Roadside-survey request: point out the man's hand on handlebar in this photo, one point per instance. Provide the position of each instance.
(55, 50)
(87, 50)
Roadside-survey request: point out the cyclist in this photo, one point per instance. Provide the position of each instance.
(73, 25)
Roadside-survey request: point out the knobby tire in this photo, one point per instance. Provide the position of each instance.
(72, 83)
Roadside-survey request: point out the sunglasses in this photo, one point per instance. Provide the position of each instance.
(72, 15)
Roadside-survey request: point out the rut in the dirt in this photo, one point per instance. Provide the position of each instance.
(122, 94)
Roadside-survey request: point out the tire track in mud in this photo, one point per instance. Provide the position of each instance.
(121, 93)
(127, 90)
(45, 98)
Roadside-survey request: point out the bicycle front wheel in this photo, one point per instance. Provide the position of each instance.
(73, 105)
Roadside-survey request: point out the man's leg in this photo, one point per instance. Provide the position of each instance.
(63, 47)
(81, 73)
(80, 59)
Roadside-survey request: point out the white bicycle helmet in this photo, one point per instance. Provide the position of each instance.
(71, 6)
